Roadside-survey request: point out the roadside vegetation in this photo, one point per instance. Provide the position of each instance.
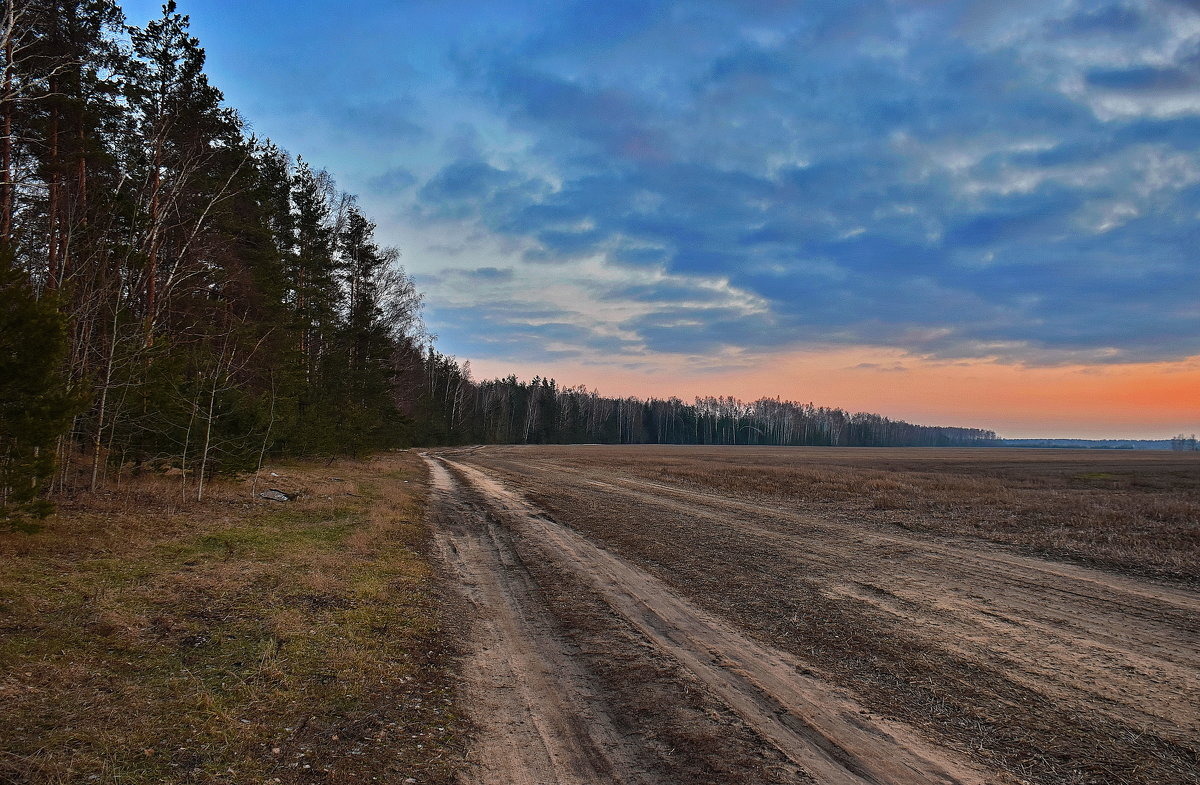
(234, 640)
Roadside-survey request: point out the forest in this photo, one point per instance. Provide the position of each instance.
(177, 294)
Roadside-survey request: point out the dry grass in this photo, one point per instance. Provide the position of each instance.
(144, 640)
(1137, 511)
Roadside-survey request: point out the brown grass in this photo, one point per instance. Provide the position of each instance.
(144, 639)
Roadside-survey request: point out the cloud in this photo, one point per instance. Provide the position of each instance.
(488, 274)
(510, 329)
(707, 330)
(464, 181)
(1114, 19)
(1143, 80)
(390, 120)
(1024, 189)
(666, 291)
(476, 190)
(392, 181)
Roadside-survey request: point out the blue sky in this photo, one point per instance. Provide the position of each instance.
(619, 188)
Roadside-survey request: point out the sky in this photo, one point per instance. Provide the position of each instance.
(956, 213)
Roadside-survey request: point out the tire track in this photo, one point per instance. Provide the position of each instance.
(538, 719)
(1129, 646)
(818, 726)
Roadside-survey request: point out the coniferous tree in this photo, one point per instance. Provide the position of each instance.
(35, 405)
(368, 335)
(179, 153)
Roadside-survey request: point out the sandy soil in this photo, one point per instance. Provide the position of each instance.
(858, 653)
(538, 715)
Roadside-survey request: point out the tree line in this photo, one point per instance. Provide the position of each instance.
(1184, 443)
(459, 410)
(175, 292)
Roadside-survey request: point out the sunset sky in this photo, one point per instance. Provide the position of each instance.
(958, 213)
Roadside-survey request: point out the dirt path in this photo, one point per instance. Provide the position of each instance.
(1127, 647)
(537, 715)
(818, 726)
(1050, 672)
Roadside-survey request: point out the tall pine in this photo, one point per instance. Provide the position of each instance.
(35, 405)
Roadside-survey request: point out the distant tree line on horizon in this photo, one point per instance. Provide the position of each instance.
(1184, 443)
(175, 292)
(509, 411)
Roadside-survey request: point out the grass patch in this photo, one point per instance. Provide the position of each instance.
(237, 640)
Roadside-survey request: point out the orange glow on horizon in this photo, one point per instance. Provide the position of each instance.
(1144, 401)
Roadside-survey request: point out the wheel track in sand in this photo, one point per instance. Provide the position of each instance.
(1128, 647)
(537, 717)
(817, 725)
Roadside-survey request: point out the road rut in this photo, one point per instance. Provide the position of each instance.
(1048, 671)
(537, 715)
(818, 726)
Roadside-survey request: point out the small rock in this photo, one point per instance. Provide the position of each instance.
(276, 495)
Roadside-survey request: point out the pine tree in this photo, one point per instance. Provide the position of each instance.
(180, 153)
(377, 295)
(35, 407)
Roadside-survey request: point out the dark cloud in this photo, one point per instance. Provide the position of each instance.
(391, 121)
(556, 244)
(894, 368)
(707, 330)
(639, 257)
(1141, 80)
(464, 181)
(489, 274)
(611, 119)
(474, 274)
(1113, 19)
(504, 329)
(1191, 5)
(665, 292)
(392, 181)
(476, 189)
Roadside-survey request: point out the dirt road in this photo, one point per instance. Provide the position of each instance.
(783, 646)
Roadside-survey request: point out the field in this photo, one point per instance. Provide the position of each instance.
(858, 616)
(145, 638)
(589, 614)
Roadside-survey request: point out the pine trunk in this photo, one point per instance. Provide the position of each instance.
(52, 269)
(6, 145)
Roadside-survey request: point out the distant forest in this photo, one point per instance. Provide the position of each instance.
(508, 411)
(175, 292)
(1180, 443)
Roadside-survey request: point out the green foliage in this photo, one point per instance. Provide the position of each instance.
(35, 404)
